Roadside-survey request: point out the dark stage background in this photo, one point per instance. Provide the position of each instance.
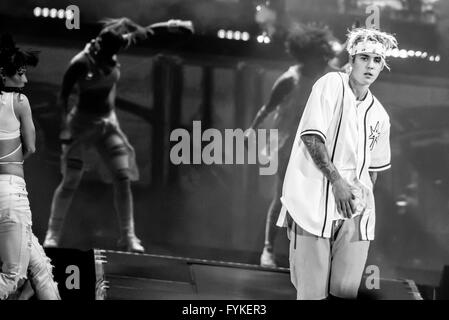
(218, 211)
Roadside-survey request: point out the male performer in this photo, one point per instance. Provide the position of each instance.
(327, 199)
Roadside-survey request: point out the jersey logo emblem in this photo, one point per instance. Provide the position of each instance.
(374, 135)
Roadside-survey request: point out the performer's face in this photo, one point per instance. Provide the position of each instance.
(366, 67)
(18, 80)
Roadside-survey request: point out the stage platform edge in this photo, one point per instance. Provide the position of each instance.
(129, 276)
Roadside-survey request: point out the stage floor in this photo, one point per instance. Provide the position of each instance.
(158, 277)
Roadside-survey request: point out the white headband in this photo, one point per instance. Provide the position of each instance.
(369, 47)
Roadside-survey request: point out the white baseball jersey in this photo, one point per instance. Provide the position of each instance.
(356, 135)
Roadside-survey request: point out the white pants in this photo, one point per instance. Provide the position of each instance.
(20, 252)
(319, 266)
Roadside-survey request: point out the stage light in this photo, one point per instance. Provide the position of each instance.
(266, 39)
(37, 11)
(258, 8)
(395, 53)
(221, 34)
(401, 203)
(260, 38)
(45, 12)
(53, 13)
(403, 54)
(61, 13)
(69, 14)
(233, 35)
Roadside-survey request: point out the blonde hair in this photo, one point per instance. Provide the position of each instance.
(357, 35)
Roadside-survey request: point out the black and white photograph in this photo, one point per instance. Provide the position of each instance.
(235, 152)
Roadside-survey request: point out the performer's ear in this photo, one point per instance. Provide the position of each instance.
(351, 59)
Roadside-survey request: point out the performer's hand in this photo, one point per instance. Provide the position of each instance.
(149, 31)
(343, 197)
(140, 33)
(171, 26)
(180, 26)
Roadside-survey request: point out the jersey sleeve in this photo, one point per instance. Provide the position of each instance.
(321, 105)
(381, 152)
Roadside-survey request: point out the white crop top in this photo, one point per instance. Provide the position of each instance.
(9, 124)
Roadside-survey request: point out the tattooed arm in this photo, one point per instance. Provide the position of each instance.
(340, 188)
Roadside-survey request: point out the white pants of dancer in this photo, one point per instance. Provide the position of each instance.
(21, 255)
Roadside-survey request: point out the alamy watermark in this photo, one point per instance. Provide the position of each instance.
(73, 279)
(372, 280)
(72, 20)
(373, 20)
(234, 147)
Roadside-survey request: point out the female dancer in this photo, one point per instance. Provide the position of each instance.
(20, 251)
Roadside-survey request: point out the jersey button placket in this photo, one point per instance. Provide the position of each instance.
(360, 136)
